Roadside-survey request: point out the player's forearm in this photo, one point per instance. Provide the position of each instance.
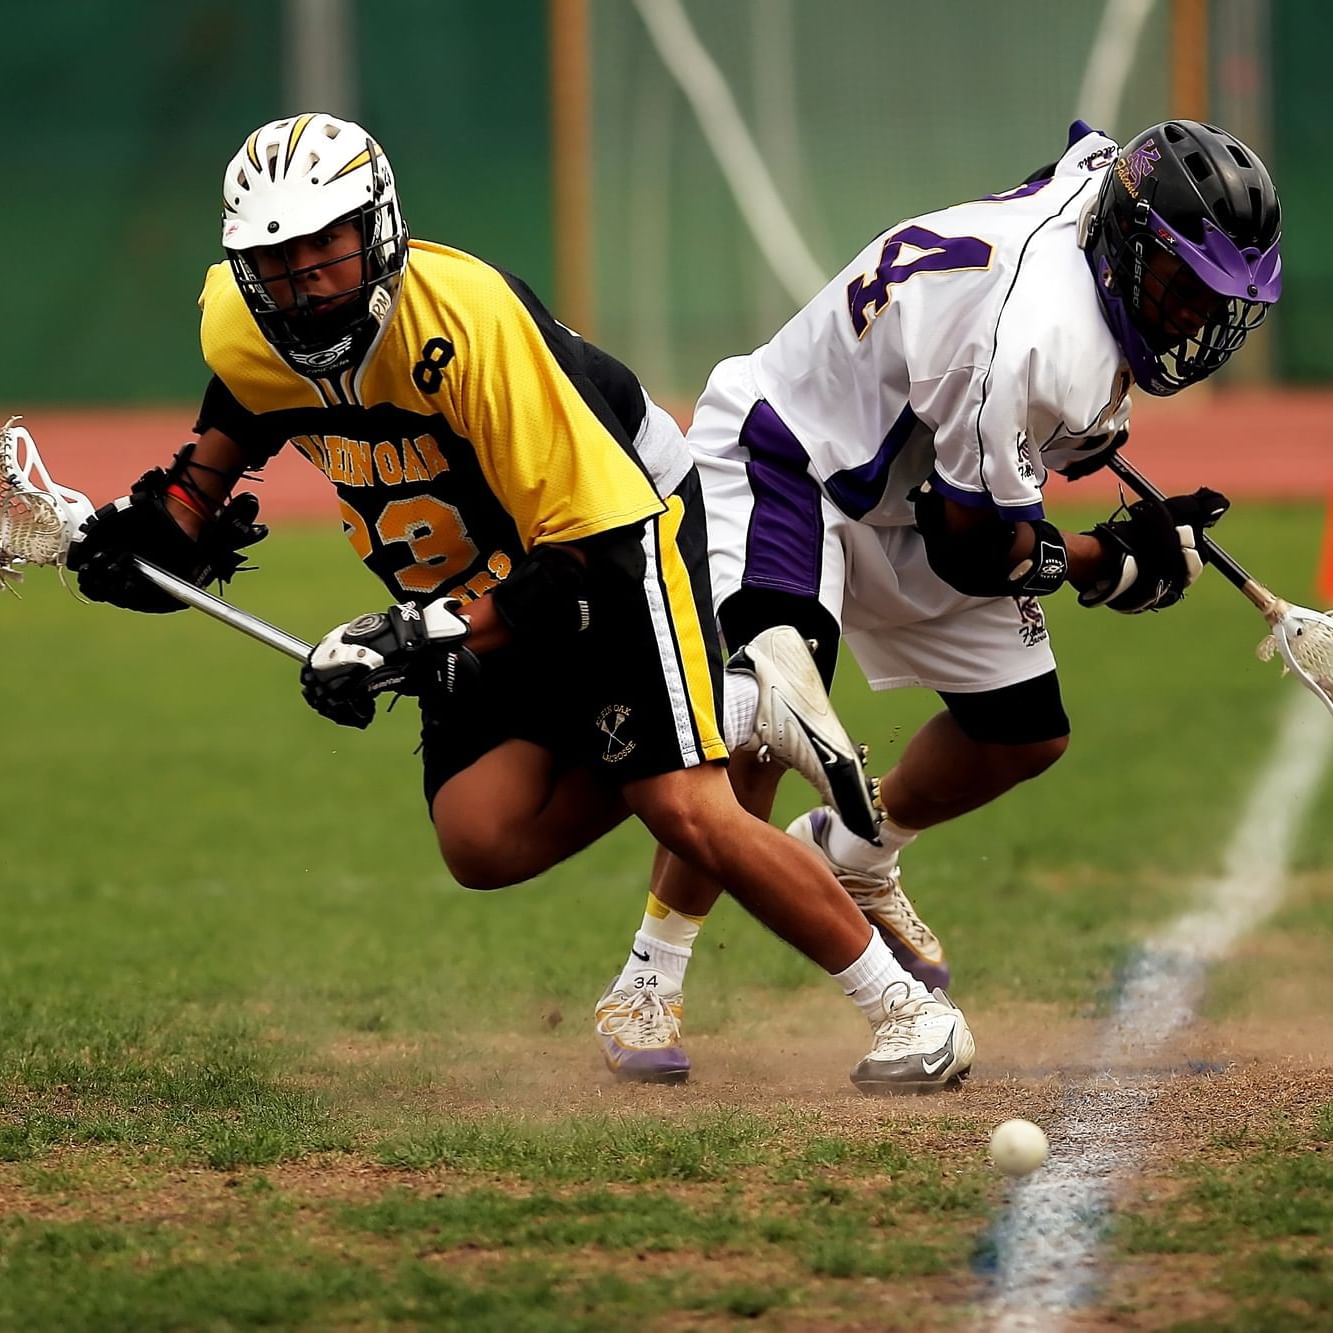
(1089, 561)
(206, 480)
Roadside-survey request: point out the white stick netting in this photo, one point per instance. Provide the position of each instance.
(1303, 640)
(32, 529)
(38, 518)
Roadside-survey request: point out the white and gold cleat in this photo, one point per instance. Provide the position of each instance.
(638, 1031)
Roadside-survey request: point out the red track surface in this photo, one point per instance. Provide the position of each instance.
(1256, 444)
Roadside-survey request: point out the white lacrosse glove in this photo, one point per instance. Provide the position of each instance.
(406, 649)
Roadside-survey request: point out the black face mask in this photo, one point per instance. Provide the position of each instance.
(329, 335)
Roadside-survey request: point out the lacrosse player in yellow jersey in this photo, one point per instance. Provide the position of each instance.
(539, 522)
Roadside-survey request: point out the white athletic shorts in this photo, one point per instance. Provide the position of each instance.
(771, 526)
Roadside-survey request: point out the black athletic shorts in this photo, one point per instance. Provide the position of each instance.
(638, 693)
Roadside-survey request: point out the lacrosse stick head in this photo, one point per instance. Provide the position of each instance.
(1303, 640)
(38, 518)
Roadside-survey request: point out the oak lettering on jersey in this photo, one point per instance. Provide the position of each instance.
(361, 463)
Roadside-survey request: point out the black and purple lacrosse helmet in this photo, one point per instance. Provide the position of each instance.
(1183, 244)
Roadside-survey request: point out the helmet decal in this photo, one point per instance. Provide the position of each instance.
(1133, 167)
(299, 126)
(360, 160)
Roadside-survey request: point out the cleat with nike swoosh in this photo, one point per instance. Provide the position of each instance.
(923, 1044)
(795, 725)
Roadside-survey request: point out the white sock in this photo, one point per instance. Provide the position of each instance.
(652, 963)
(871, 975)
(661, 949)
(740, 702)
(858, 854)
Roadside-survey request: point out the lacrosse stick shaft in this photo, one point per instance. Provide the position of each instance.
(225, 612)
(1231, 569)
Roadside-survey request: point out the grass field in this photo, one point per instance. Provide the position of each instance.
(263, 1064)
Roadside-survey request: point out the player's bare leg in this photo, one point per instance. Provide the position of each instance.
(694, 814)
(682, 888)
(709, 839)
(639, 1014)
(547, 814)
(921, 1040)
(942, 774)
(776, 714)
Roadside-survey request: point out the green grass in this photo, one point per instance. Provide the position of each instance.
(230, 950)
(1263, 1214)
(527, 1229)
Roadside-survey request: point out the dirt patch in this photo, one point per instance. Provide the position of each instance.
(1222, 1085)
(1224, 1114)
(799, 1049)
(796, 1050)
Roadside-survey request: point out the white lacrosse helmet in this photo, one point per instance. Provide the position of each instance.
(291, 178)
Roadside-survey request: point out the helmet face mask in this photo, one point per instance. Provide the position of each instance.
(315, 238)
(1184, 246)
(306, 308)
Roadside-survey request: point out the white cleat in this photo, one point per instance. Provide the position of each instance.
(923, 1044)
(882, 901)
(638, 1032)
(795, 725)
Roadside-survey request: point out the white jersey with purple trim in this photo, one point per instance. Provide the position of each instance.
(966, 345)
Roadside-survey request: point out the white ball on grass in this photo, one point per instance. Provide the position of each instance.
(1018, 1147)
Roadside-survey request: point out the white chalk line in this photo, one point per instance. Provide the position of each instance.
(1047, 1243)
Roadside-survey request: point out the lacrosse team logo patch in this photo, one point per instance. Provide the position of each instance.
(1031, 621)
(610, 722)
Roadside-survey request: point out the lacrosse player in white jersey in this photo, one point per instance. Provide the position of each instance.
(874, 473)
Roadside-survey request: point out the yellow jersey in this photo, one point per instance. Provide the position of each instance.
(476, 426)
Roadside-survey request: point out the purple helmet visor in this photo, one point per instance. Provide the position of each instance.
(1221, 265)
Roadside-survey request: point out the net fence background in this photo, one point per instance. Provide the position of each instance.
(867, 112)
(864, 111)
(130, 112)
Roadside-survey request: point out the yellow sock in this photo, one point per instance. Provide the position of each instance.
(662, 947)
(668, 926)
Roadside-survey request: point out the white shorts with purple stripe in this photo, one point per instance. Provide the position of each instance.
(771, 526)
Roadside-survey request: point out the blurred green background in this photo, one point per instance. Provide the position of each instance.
(864, 111)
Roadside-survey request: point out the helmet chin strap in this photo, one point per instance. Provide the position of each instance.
(1084, 232)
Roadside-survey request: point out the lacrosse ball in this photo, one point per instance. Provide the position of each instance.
(1018, 1147)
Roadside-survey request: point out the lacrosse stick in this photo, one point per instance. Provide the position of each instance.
(38, 520)
(1301, 637)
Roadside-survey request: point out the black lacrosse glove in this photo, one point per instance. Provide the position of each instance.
(103, 551)
(1158, 548)
(406, 650)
